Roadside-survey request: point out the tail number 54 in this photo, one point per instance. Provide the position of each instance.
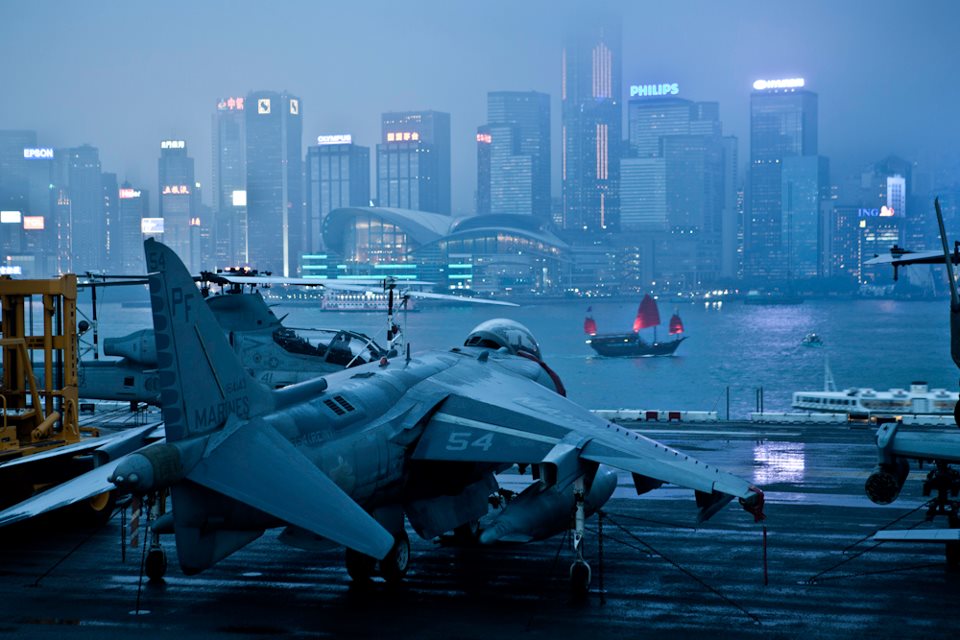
(462, 440)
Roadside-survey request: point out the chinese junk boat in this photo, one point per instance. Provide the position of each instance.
(632, 344)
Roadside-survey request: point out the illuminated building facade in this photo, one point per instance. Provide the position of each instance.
(85, 231)
(513, 154)
(783, 124)
(133, 209)
(274, 157)
(590, 96)
(413, 161)
(230, 181)
(338, 175)
(805, 237)
(177, 200)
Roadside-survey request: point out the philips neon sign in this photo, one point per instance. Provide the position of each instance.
(647, 90)
(783, 83)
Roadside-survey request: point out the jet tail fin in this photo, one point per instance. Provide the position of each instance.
(202, 381)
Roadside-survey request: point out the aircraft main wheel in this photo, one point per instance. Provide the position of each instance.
(394, 567)
(467, 533)
(580, 575)
(360, 566)
(156, 564)
(952, 552)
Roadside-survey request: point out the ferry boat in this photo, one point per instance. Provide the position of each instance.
(919, 399)
(359, 301)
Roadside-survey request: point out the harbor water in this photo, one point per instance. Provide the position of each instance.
(880, 344)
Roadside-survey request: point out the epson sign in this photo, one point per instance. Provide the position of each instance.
(647, 90)
(42, 153)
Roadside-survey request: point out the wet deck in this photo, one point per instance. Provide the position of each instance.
(660, 575)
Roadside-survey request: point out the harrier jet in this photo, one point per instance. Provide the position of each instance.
(347, 458)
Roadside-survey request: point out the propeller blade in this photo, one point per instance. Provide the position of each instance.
(445, 296)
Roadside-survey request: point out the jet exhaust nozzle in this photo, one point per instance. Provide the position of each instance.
(138, 346)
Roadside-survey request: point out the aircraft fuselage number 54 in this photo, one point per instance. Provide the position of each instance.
(462, 440)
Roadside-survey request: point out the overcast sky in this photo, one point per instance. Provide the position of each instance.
(124, 75)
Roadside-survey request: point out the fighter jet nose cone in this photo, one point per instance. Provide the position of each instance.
(490, 536)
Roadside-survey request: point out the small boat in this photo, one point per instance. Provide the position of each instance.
(757, 297)
(632, 344)
(812, 340)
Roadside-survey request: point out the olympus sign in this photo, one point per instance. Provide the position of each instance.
(645, 90)
(784, 83)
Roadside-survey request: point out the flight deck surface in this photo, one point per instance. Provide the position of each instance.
(661, 574)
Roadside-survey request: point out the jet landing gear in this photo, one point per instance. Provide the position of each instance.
(392, 568)
(944, 481)
(580, 573)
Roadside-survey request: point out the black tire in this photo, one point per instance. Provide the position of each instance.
(156, 565)
(360, 566)
(394, 566)
(951, 552)
(580, 575)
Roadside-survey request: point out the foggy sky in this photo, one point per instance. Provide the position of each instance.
(125, 75)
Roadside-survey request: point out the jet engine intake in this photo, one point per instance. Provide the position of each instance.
(884, 484)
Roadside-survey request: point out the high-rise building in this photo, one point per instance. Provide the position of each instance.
(805, 189)
(27, 233)
(86, 228)
(230, 181)
(110, 213)
(413, 161)
(274, 193)
(513, 154)
(338, 175)
(177, 200)
(484, 140)
(783, 124)
(132, 222)
(590, 95)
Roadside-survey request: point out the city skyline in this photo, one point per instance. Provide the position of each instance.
(863, 116)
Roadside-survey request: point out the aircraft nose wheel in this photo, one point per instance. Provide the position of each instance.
(156, 564)
(360, 566)
(580, 575)
(394, 567)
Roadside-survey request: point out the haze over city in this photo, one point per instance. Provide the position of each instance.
(122, 76)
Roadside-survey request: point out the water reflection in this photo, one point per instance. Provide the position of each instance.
(778, 462)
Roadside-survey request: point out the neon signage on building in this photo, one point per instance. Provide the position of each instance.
(485, 138)
(126, 193)
(38, 153)
(782, 83)
(339, 138)
(647, 90)
(230, 104)
(402, 136)
(176, 190)
(173, 144)
(33, 223)
(882, 212)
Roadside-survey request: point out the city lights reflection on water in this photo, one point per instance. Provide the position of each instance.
(778, 462)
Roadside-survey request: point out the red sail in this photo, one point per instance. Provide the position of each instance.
(647, 314)
(589, 326)
(676, 325)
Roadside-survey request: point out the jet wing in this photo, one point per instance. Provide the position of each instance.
(504, 418)
(943, 446)
(919, 535)
(907, 258)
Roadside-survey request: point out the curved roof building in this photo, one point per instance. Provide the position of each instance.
(380, 234)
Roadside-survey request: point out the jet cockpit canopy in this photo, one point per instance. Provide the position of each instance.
(508, 334)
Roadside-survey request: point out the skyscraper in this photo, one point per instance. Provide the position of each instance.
(338, 175)
(783, 124)
(230, 181)
(132, 220)
(177, 206)
(514, 154)
(805, 188)
(86, 228)
(413, 161)
(111, 211)
(274, 135)
(590, 95)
